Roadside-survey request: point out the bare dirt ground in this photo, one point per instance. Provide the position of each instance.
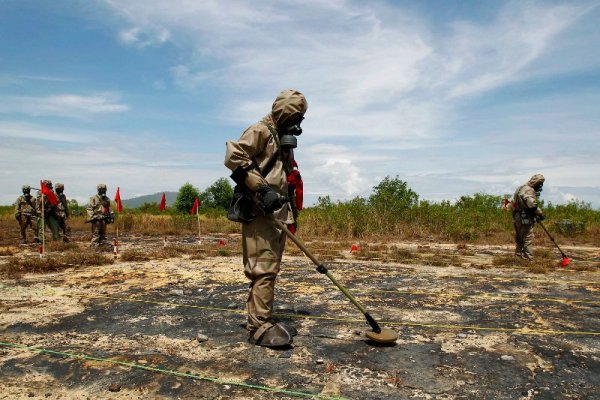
(173, 328)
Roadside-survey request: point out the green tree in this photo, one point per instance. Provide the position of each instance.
(74, 207)
(185, 198)
(391, 197)
(217, 195)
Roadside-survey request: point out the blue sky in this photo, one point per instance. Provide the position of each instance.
(453, 97)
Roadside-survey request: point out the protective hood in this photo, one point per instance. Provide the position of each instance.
(288, 103)
(536, 180)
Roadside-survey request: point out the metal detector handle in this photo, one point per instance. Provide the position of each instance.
(551, 238)
(322, 269)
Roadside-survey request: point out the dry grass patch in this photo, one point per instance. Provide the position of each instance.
(16, 267)
(508, 260)
(7, 251)
(134, 255)
(198, 256)
(402, 255)
(60, 246)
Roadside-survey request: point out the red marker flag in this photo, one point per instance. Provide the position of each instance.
(194, 209)
(163, 203)
(118, 200)
(295, 180)
(49, 194)
(505, 205)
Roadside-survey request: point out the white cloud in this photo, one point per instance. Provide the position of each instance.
(144, 38)
(367, 69)
(342, 176)
(63, 105)
(479, 58)
(568, 197)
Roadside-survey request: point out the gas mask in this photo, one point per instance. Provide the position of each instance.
(538, 190)
(101, 189)
(289, 132)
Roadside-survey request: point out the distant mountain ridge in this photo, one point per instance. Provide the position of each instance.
(150, 198)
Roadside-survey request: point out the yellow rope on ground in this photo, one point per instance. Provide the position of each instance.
(482, 295)
(519, 331)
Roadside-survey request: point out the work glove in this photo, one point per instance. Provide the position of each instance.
(269, 199)
(540, 218)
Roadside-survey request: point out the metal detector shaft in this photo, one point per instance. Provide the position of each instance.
(322, 269)
(551, 238)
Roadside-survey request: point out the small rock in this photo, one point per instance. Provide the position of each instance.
(357, 332)
(226, 387)
(461, 335)
(320, 361)
(285, 354)
(507, 358)
(232, 305)
(48, 394)
(201, 338)
(31, 394)
(114, 387)
(176, 292)
(200, 290)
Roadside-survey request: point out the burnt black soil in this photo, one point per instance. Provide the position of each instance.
(440, 361)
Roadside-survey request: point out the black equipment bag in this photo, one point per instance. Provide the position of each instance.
(241, 206)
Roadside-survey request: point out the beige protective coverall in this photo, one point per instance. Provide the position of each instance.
(63, 215)
(25, 213)
(99, 215)
(525, 209)
(263, 243)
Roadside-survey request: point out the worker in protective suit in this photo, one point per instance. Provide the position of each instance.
(99, 215)
(50, 219)
(26, 214)
(261, 161)
(62, 211)
(526, 212)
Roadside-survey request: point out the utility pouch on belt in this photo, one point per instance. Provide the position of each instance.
(241, 206)
(525, 218)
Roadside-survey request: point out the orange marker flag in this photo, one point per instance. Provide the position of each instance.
(163, 203)
(118, 200)
(194, 209)
(49, 194)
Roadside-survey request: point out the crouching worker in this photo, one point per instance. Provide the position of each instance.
(261, 161)
(526, 213)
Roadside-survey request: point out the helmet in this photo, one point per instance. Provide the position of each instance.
(536, 181)
(289, 103)
(47, 183)
(101, 188)
(59, 186)
(26, 189)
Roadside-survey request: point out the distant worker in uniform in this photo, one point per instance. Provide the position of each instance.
(526, 212)
(26, 214)
(62, 211)
(50, 218)
(261, 160)
(99, 215)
